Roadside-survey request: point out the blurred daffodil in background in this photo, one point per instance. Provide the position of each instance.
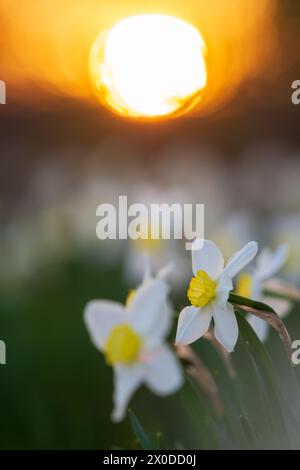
(133, 340)
(252, 284)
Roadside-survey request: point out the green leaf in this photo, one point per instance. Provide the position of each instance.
(274, 406)
(138, 430)
(200, 415)
(249, 432)
(227, 429)
(160, 441)
(244, 301)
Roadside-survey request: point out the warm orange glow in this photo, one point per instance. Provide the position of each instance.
(149, 66)
(45, 50)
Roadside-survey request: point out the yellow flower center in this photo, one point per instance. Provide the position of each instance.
(149, 245)
(122, 346)
(244, 285)
(202, 289)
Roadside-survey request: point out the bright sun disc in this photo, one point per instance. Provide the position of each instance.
(149, 66)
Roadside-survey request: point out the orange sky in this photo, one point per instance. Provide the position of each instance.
(46, 43)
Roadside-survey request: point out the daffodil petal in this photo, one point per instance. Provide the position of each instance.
(127, 380)
(225, 285)
(157, 336)
(165, 272)
(268, 264)
(100, 316)
(239, 260)
(260, 327)
(226, 328)
(163, 374)
(148, 307)
(193, 323)
(207, 257)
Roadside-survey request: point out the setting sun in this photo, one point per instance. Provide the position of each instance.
(149, 66)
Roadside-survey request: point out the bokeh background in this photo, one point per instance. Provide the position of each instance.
(62, 154)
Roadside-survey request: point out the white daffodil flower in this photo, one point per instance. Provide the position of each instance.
(252, 284)
(208, 293)
(286, 230)
(132, 338)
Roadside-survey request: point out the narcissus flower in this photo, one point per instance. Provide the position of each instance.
(286, 230)
(252, 284)
(132, 338)
(208, 293)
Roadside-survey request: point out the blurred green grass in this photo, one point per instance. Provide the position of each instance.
(56, 390)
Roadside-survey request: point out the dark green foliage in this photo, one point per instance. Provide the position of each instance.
(56, 390)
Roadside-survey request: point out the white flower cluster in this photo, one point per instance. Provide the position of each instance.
(133, 337)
